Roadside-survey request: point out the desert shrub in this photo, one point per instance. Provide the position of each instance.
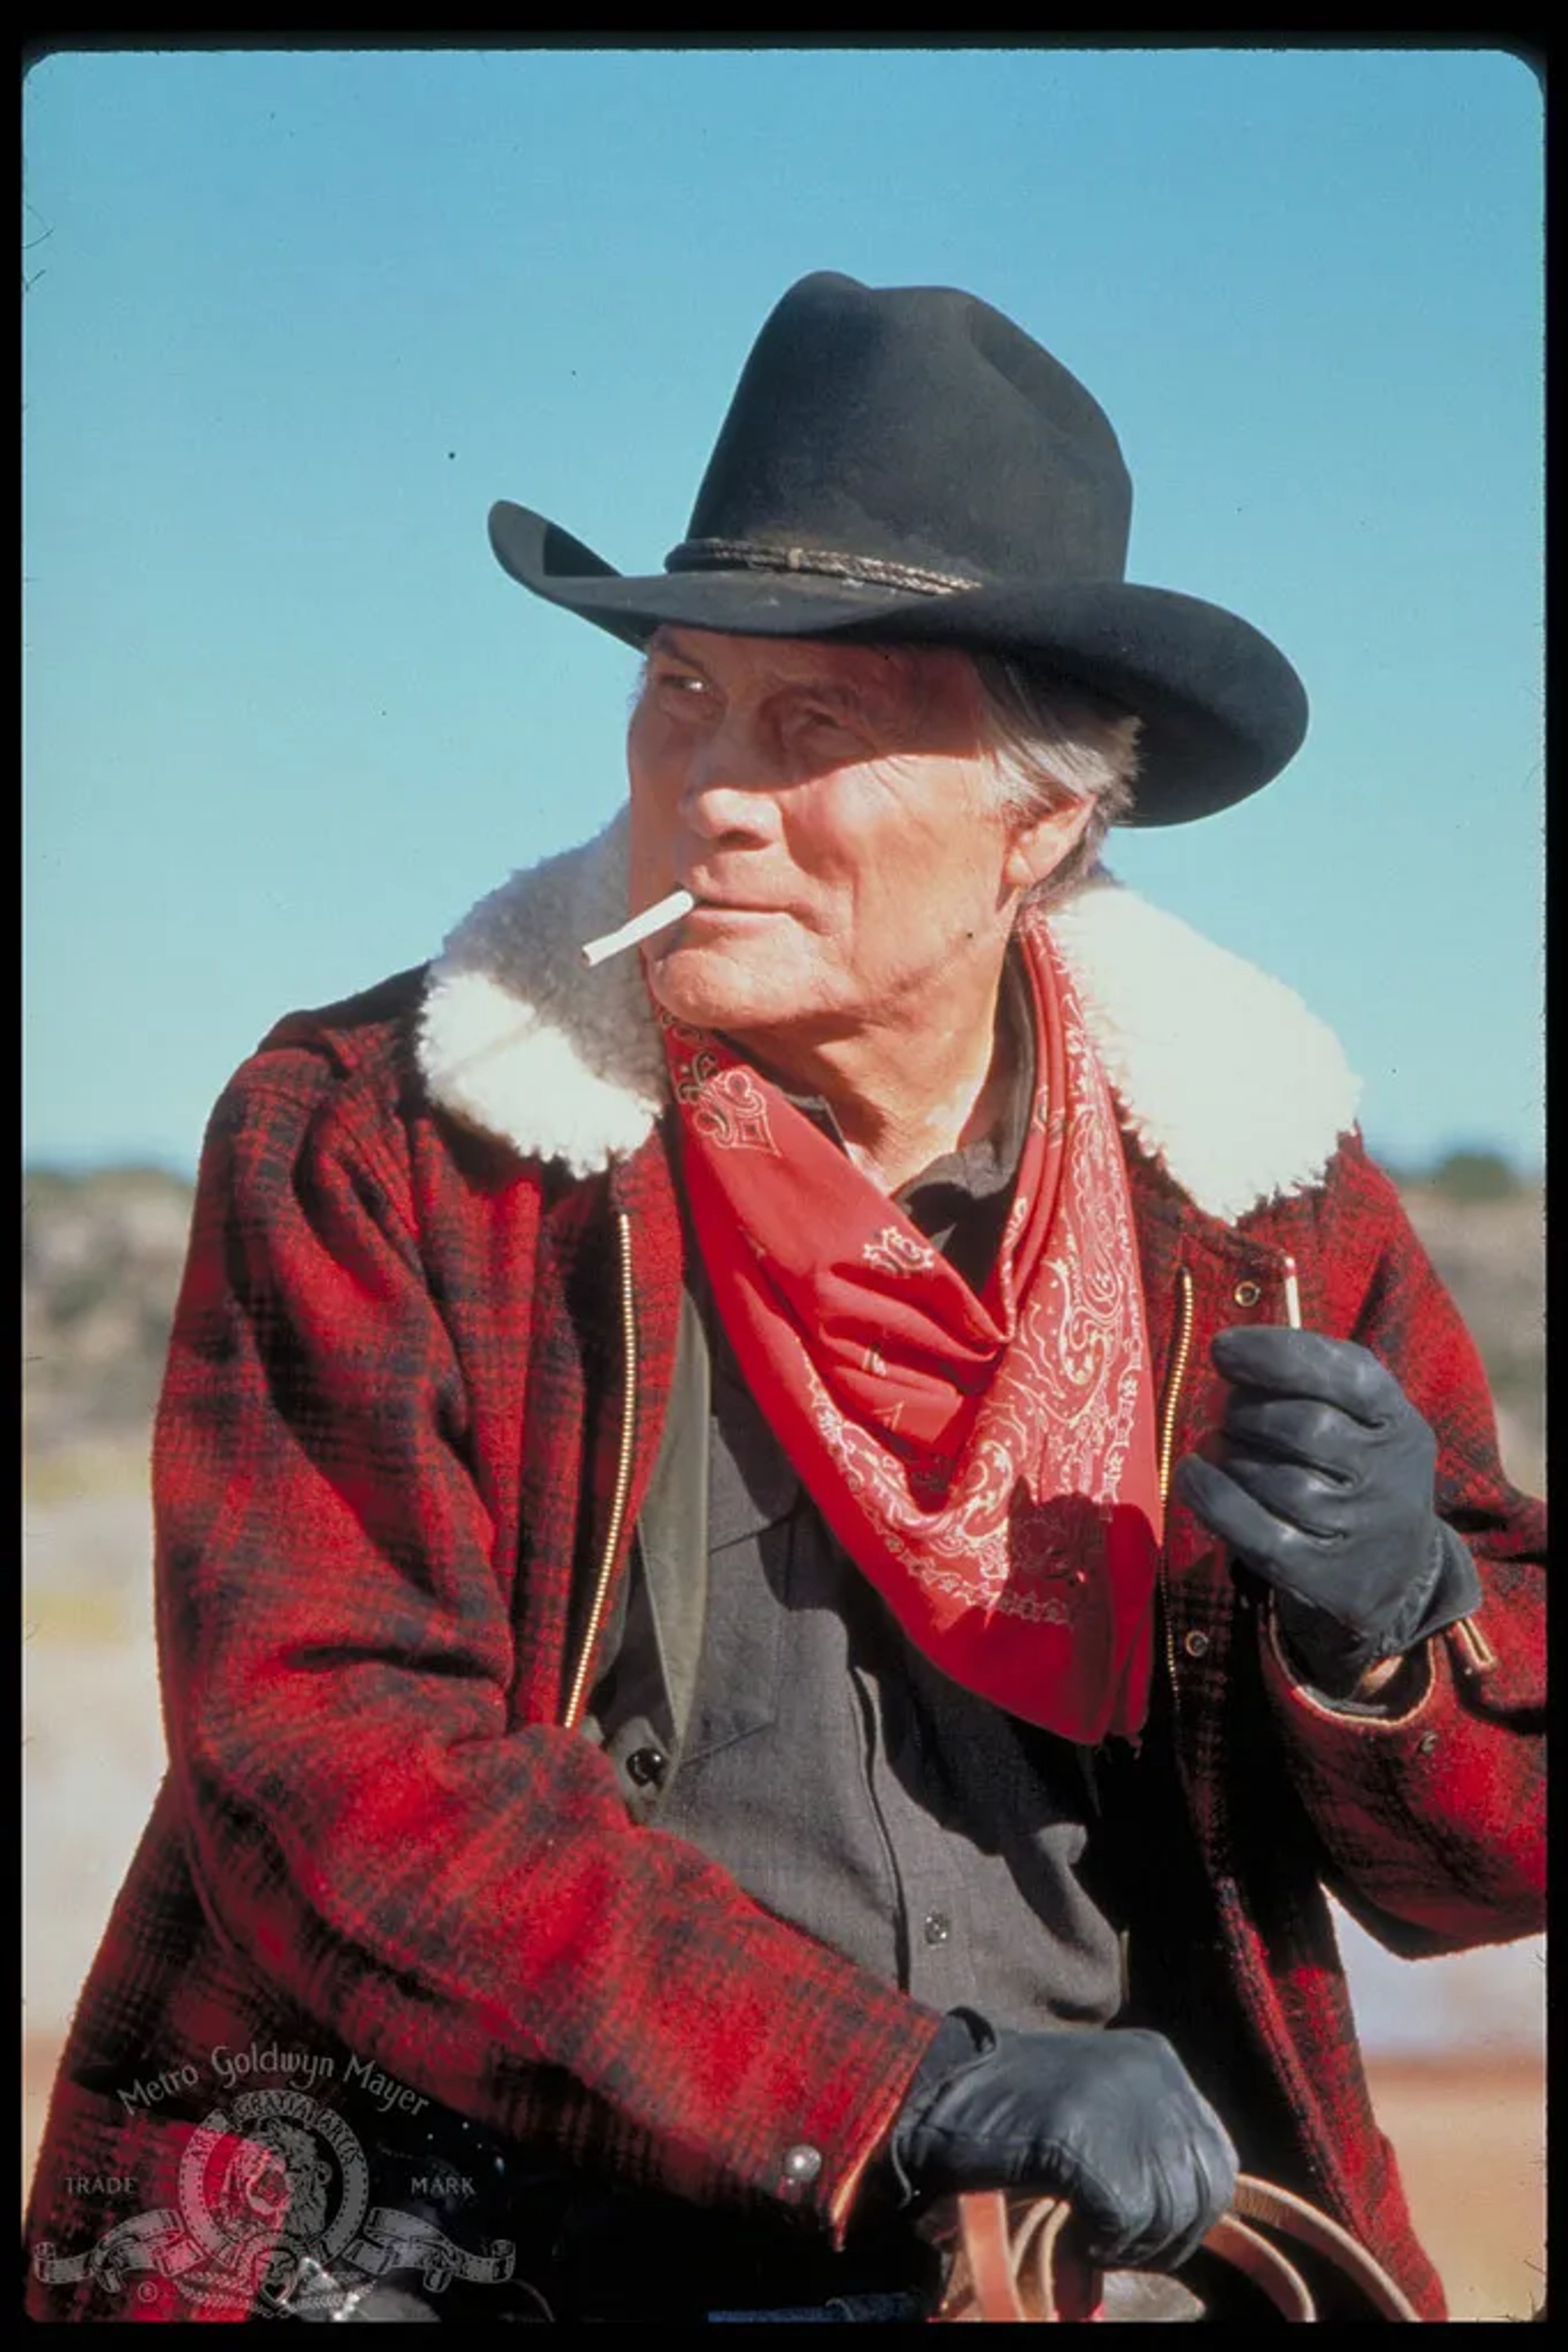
(1472, 1175)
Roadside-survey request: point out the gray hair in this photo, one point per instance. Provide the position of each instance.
(1052, 745)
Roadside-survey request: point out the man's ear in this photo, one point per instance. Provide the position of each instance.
(1039, 844)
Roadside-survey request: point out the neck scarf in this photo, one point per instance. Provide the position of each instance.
(988, 1461)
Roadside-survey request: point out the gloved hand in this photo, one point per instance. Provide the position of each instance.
(1109, 2120)
(1324, 1489)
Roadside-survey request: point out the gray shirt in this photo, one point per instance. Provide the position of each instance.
(845, 1782)
(851, 1786)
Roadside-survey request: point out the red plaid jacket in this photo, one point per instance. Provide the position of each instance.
(395, 1443)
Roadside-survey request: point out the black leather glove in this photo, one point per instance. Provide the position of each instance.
(1323, 1488)
(1109, 2120)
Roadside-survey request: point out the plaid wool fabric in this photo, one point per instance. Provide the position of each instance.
(384, 1468)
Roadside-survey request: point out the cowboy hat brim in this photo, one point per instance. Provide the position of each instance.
(1222, 711)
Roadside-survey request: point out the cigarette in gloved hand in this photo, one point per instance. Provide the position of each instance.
(657, 918)
(1292, 1295)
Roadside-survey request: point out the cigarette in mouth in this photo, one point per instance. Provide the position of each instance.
(1292, 1295)
(657, 918)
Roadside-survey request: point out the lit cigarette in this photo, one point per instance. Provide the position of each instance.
(657, 918)
(1292, 1295)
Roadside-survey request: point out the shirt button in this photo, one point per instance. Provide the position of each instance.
(801, 2166)
(1426, 1743)
(647, 1767)
(1248, 1293)
(1195, 1645)
(938, 1927)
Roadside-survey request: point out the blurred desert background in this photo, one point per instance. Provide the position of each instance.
(1456, 2046)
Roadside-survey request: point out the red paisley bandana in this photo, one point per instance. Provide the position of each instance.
(989, 1462)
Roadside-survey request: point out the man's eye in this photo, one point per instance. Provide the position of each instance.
(820, 716)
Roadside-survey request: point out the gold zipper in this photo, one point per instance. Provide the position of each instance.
(1174, 1379)
(579, 1692)
(1177, 1374)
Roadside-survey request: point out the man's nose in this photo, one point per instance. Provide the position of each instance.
(726, 792)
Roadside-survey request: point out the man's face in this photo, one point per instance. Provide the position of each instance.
(829, 807)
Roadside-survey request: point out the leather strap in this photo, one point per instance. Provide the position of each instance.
(1013, 2264)
(1292, 2217)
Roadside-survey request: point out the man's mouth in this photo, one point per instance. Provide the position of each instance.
(732, 906)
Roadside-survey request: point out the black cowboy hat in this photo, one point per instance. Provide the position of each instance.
(904, 463)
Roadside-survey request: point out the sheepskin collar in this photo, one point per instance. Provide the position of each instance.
(1219, 1071)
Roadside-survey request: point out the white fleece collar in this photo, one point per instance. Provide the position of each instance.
(1219, 1071)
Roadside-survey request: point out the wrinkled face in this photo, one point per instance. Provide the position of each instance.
(829, 807)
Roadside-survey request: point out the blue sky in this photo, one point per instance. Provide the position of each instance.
(296, 320)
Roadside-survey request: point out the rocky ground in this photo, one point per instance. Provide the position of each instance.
(1457, 2046)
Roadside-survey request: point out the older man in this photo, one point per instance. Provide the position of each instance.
(699, 1721)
